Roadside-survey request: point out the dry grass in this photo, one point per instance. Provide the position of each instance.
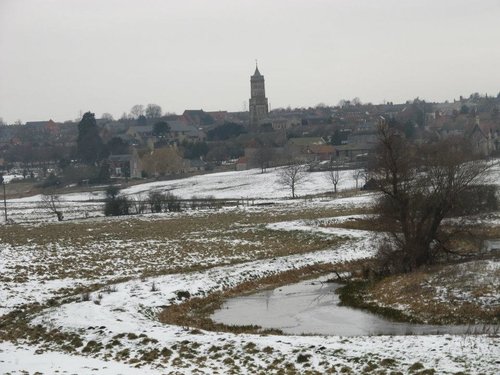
(20, 189)
(486, 232)
(461, 294)
(122, 247)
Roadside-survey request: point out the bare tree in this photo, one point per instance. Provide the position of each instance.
(356, 101)
(137, 110)
(420, 185)
(153, 111)
(333, 175)
(125, 116)
(357, 174)
(263, 156)
(292, 175)
(107, 116)
(52, 203)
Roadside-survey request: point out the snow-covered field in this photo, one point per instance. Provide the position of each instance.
(114, 329)
(244, 185)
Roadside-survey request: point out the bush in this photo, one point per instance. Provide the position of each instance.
(173, 203)
(116, 207)
(204, 203)
(159, 202)
(139, 205)
(155, 201)
(114, 204)
(212, 202)
(194, 202)
(389, 260)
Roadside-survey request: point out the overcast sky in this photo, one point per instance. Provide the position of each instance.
(60, 57)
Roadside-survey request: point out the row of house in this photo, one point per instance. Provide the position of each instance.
(481, 130)
(355, 127)
(154, 163)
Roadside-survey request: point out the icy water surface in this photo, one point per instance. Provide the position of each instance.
(311, 307)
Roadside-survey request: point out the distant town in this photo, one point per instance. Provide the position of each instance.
(358, 220)
(147, 143)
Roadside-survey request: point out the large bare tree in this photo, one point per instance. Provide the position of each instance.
(153, 111)
(420, 184)
(136, 111)
(357, 175)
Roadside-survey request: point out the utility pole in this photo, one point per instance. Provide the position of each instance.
(2, 181)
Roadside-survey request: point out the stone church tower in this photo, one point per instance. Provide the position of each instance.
(258, 101)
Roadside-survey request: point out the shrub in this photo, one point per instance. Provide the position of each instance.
(138, 204)
(173, 203)
(390, 259)
(194, 202)
(212, 202)
(156, 201)
(159, 202)
(207, 202)
(115, 205)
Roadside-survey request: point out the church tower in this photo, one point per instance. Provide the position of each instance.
(258, 101)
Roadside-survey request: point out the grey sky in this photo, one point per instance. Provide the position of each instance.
(58, 57)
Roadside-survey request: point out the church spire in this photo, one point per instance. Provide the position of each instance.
(258, 105)
(257, 73)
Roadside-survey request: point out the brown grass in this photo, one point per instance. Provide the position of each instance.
(419, 293)
(155, 245)
(486, 232)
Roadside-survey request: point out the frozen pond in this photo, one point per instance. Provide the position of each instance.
(311, 307)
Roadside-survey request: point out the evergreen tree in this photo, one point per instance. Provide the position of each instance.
(89, 143)
(464, 110)
(409, 129)
(161, 129)
(336, 138)
(226, 131)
